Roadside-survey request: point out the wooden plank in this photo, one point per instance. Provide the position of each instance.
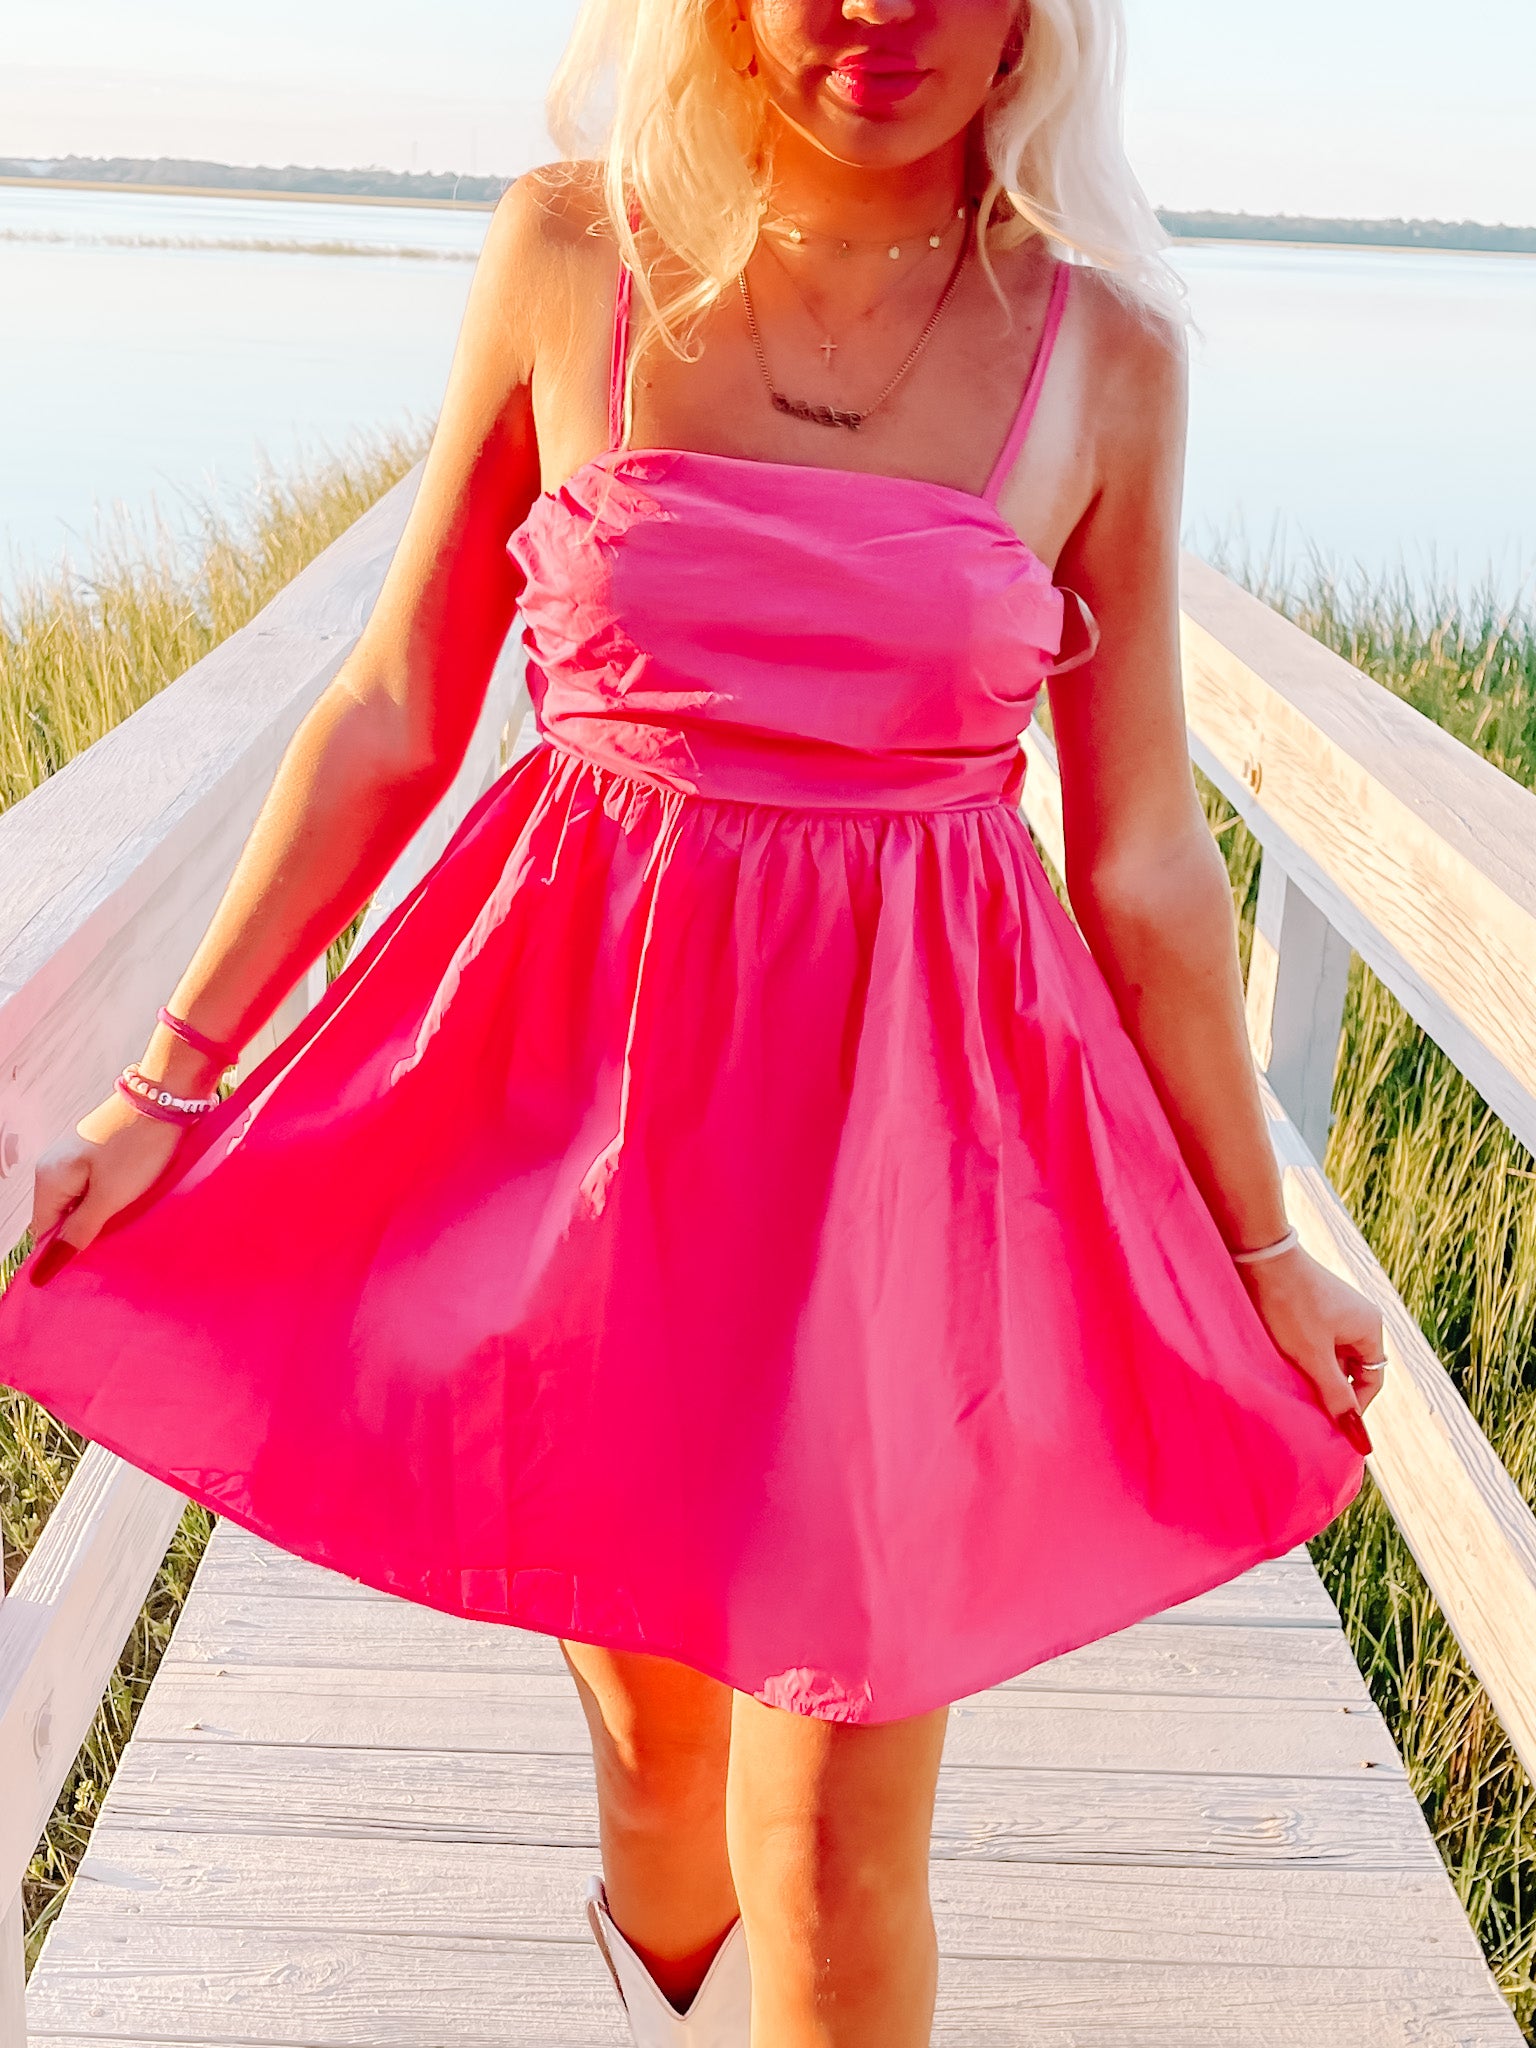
(172, 1984)
(1285, 1592)
(496, 1891)
(114, 865)
(1297, 1664)
(1001, 2004)
(62, 1629)
(212, 1984)
(1013, 1813)
(1421, 854)
(1467, 1523)
(1298, 978)
(484, 1714)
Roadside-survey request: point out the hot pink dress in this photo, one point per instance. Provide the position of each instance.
(721, 1213)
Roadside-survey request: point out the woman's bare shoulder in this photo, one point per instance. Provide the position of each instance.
(557, 206)
(549, 248)
(1134, 357)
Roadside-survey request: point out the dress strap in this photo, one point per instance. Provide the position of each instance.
(1024, 418)
(619, 363)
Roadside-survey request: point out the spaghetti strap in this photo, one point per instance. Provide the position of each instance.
(1024, 418)
(619, 362)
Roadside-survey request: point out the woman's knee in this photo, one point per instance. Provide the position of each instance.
(826, 1878)
(830, 1828)
(660, 1739)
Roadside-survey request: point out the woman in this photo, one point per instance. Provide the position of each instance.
(728, 1218)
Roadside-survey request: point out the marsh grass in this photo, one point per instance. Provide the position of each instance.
(79, 650)
(77, 654)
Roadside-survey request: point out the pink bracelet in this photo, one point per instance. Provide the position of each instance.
(198, 1040)
(150, 1099)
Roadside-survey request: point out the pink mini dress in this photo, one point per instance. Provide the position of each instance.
(720, 1213)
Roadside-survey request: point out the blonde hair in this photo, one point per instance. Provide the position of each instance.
(647, 88)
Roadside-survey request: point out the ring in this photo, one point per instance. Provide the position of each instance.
(1373, 1365)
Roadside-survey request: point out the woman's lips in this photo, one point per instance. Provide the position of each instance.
(872, 86)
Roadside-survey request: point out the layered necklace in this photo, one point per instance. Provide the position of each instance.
(839, 415)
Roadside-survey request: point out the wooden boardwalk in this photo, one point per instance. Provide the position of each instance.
(347, 1820)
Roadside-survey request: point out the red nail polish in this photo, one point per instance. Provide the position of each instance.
(50, 1259)
(1353, 1427)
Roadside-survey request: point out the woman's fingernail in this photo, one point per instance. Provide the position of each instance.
(1353, 1426)
(51, 1259)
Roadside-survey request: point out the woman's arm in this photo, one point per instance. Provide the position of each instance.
(1146, 881)
(379, 746)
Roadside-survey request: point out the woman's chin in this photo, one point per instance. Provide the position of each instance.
(884, 136)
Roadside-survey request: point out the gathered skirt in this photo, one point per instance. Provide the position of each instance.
(741, 1234)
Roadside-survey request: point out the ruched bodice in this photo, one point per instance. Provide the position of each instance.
(775, 633)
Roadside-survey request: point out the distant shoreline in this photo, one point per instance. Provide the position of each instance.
(313, 185)
(1353, 248)
(1314, 231)
(245, 192)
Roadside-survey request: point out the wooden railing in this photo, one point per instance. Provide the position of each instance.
(1381, 836)
(112, 870)
(1384, 836)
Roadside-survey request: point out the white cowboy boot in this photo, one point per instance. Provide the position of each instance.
(720, 2015)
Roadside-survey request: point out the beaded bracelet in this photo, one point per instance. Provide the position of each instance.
(1265, 1252)
(150, 1099)
(198, 1040)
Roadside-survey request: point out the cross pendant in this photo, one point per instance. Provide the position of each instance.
(828, 350)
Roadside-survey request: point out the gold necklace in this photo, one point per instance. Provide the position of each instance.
(793, 232)
(829, 345)
(841, 415)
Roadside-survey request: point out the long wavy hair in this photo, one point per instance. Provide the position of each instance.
(646, 88)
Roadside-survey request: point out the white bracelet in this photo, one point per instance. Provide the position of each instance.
(1268, 1251)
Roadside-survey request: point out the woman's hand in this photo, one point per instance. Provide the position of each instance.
(1325, 1328)
(113, 1155)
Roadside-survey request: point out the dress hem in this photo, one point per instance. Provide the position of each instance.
(834, 1701)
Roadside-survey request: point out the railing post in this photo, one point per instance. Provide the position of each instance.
(294, 1007)
(1298, 976)
(13, 1978)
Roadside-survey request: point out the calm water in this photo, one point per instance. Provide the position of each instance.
(1374, 406)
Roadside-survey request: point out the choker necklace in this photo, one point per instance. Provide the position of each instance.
(793, 232)
(841, 415)
(828, 346)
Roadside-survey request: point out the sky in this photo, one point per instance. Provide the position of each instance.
(1343, 107)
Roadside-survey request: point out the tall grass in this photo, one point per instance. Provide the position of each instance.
(77, 654)
(1447, 1199)
(79, 651)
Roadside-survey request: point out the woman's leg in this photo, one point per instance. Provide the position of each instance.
(829, 1829)
(661, 1738)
